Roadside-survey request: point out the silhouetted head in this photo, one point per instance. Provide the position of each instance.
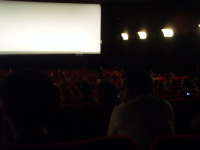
(135, 83)
(160, 85)
(198, 85)
(106, 92)
(28, 97)
(167, 85)
(195, 79)
(65, 93)
(185, 83)
(85, 89)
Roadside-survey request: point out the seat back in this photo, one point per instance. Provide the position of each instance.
(94, 119)
(176, 142)
(100, 143)
(64, 122)
(185, 110)
(182, 117)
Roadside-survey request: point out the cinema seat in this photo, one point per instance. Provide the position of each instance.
(176, 142)
(165, 97)
(101, 143)
(194, 104)
(94, 120)
(192, 90)
(2, 115)
(63, 122)
(176, 87)
(174, 92)
(182, 115)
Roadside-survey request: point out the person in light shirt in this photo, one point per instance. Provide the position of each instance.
(141, 115)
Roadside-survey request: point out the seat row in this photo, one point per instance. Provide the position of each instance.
(185, 110)
(87, 120)
(118, 142)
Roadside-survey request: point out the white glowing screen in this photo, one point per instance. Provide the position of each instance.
(142, 35)
(124, 36)
(168, 32)
(49, 28)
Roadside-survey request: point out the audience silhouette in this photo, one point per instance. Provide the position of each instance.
(28, 97)
(106, 92)
(85, 92)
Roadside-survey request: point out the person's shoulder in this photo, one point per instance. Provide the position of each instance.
(148, 99)
(119, 106)
(160, 100)
(153, 100)
(129, 105)
(163, 104)
(122, 106)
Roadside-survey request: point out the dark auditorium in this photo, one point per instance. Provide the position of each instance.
(99, 74)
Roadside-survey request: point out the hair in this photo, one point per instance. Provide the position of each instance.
(195, 79)
(106, 92)
(28, 98)
(167, 84)
(141, 79)
(160, 85)
(85, 89)
(198, 85)
(185, 83)
(65, 92)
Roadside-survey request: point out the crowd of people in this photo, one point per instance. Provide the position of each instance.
(28, 97)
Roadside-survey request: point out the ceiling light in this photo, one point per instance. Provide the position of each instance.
(142, 35)
(168, 32)
(124, 36)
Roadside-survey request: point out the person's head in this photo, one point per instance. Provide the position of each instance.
(155, 83)
(185, 83)
(65, 92)
(167, 76)
(151, 74)
(28, 97)
(85, 89)
(198, 85)
(172, 74)
(106, 92)
(167, 84)
(195, 79)
(159, 85)
(135, 83)
(115, 76)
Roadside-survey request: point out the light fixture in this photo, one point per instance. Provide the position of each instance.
(124, 36)
(142, 35)
(168, 32)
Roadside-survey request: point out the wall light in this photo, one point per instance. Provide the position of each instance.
(199, 25)
(124, 36)
(168, 32)
(142, 35)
